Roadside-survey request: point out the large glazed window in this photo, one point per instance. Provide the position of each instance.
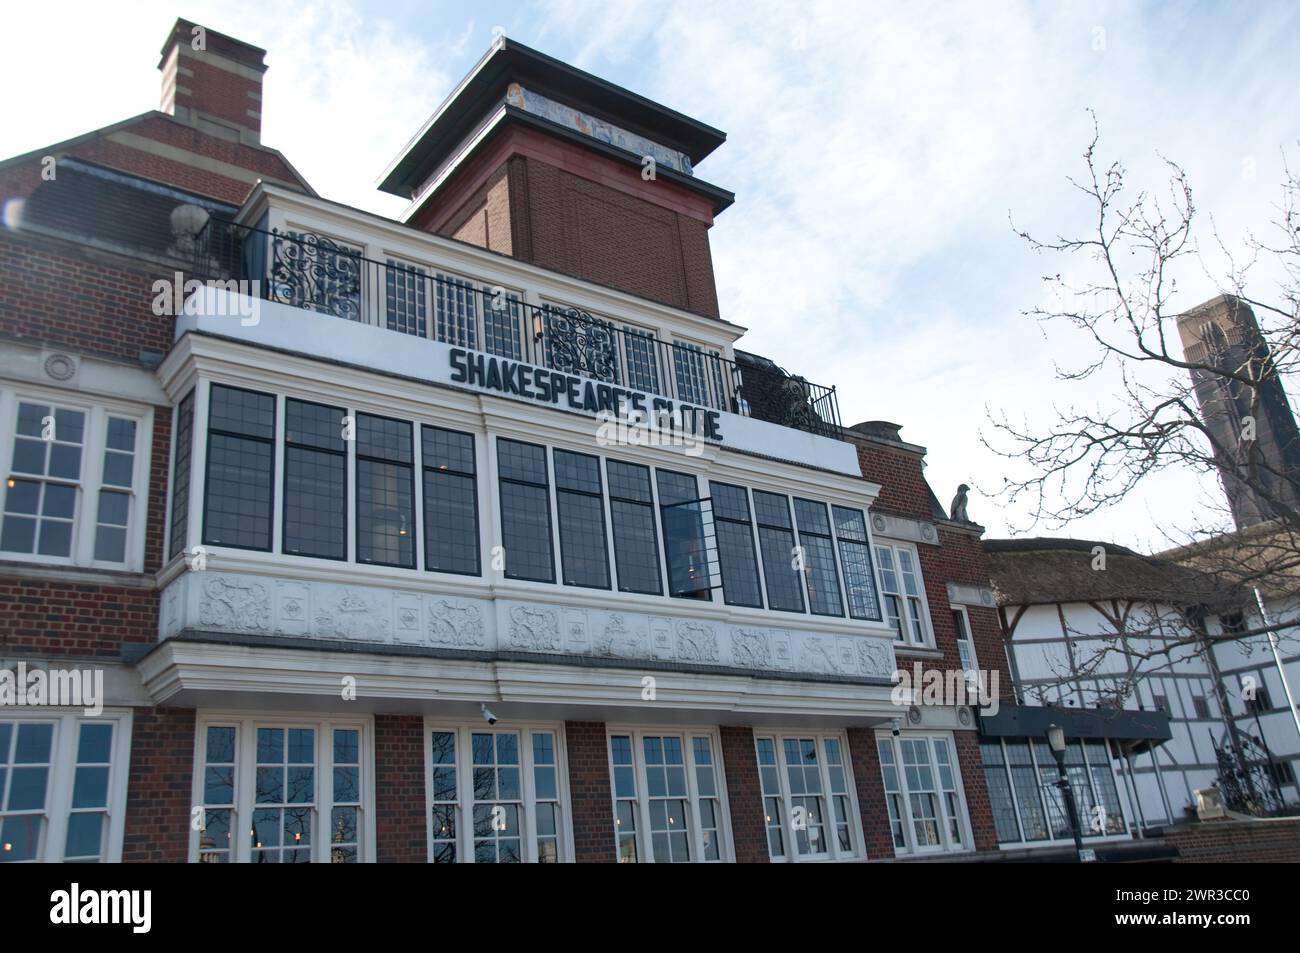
(238, 490)
(689, 546)
(820, 577)
(636, 541)
(776, 540)
(385, 492)
(1021, 776)
(450, 501)
(737, 557)
(63, 787)
(580, 508)
(668, 805)
(282, 791)
(496, 795)
(525, 511)
(315, 481)
(855, 558)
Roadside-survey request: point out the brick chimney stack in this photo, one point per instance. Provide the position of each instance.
(213, 82)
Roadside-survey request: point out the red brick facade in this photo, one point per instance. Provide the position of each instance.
(744, 794)
(589, 791)
(561, 207)
(400, 815)
(159, 790)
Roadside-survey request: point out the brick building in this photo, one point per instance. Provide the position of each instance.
(470, 535)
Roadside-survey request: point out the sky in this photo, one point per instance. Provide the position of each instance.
(878, 153)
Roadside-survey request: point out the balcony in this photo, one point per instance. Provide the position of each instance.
(305, 270)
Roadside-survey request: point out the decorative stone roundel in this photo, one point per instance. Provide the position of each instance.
(914, 715)
(963, 716)
(927, 531)
(60, 367)
(878, 522)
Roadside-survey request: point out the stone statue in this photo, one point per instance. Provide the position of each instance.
(957, 509)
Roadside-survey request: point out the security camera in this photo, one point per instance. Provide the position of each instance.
(896, 723)
(490, 718)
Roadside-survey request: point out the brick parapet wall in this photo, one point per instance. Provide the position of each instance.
(1236, 842)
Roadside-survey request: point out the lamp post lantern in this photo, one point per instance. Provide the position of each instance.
(1056, 741)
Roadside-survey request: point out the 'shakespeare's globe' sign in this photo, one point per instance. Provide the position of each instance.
(576, 393)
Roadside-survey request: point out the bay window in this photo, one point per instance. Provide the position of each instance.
(809, 808)
(922, 793)
(75, 479)
(496, 795)
(668, 798)
(283, 790)
(63, 786)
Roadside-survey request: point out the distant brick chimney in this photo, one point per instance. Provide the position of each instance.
(213, 82)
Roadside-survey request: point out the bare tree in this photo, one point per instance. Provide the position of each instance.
(1125, 309)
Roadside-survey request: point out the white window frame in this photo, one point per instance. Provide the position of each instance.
(946, 845)
(464, 818)
(908, 640)
(971, 665)
(246, 725)
(85, 518)
(62, 775)
(644, 841)
(834, 853)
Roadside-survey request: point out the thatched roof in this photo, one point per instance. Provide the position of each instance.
(1266, 555)
(1037, 571)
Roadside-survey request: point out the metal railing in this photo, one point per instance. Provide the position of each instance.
(311, 271)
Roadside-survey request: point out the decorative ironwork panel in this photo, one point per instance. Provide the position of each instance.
(577, 343)
(317, 273)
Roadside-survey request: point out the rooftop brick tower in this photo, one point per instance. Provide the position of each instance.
(535, 159)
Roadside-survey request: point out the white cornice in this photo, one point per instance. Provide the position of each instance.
(202, 674)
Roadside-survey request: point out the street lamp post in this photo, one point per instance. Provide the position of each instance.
(1056, 741)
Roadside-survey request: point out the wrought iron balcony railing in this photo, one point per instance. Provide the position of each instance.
(311, 271)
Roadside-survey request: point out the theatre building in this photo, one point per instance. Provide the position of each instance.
(470, 536)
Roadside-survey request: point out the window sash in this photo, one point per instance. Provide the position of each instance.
(825, 790)
(87, 530)
(923, 792)
(73, 789)
(234, 817)
(526, 520)
(649, 806)
(458, 792)
(903, 594)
